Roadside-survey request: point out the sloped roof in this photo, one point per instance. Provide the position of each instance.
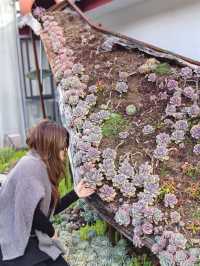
(99, 74)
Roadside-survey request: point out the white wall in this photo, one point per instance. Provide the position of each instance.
(11, 111)
(173, 24)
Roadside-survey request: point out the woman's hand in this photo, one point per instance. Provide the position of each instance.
(83, 190)
(56, 235)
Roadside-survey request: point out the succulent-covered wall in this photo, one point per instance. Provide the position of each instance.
(135, 132)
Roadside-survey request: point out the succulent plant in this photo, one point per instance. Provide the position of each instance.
(157, 216)
(99, 117)
(175, 100)
(119, 180)
(161, 153)
(152, 77)
(181, 125)
(170, 200)
(172, 249)
(91, 99)
(107, 193)
(186, 73)
(163, 139)
(195, 131)
(149, 66)
(121, 87)
(92, 155)
(136, 214)
(78, 69)
(122, 216)
(81, 110)
(193, 110)
(109, 154)
(163, 95)
(145, 169)
(94, 177)
(178, 136)
(93, 89)
(172, 84)
(147, 228)
(155, 248)
(131, 109)
(128, 189)
(175, 217)
(123, 135)
(126, 168)
(151, 184)
(196, 149)
(189, 92)
(85, 78)
(166, 258)
(178, 240)
(71, 82)
(170, 110)
(148, 129)
(108, 167)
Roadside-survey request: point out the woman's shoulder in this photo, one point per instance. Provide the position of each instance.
(30, 165)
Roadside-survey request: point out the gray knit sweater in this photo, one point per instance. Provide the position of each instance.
(27, 184)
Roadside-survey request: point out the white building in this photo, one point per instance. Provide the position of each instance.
(173, 25)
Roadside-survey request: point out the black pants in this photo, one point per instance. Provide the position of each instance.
(33, 257)
(59, 262)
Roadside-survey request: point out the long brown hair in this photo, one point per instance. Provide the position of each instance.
(48, 139)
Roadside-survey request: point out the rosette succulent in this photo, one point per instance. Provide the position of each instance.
(128, 189)
(175, 100)
(193, 110)
(107, 193)
(180, 257)
(170, 200)
(109, 154)
(178, 136)
(126, 168)
(152, 77)
(166, 258)
(195, 131)
(181, 125)
(172, 84)
(123, 135)
(178, 240)
(170, 110)
(196, 149)
(78, 69)
(119, 180)
(161, 153)
(189, 92)
(147, 228)
(122, 216)
(131, 109)
(94, 177)
(175, 217)
(121, 87)
(108, 167)
(186, 73)
(148, 129)
(163, 139)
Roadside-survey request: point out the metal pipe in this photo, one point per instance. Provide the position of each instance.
(38, 76)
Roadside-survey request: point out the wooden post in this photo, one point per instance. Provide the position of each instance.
(111, 234)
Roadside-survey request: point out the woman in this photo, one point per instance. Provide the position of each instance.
(29, 196)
